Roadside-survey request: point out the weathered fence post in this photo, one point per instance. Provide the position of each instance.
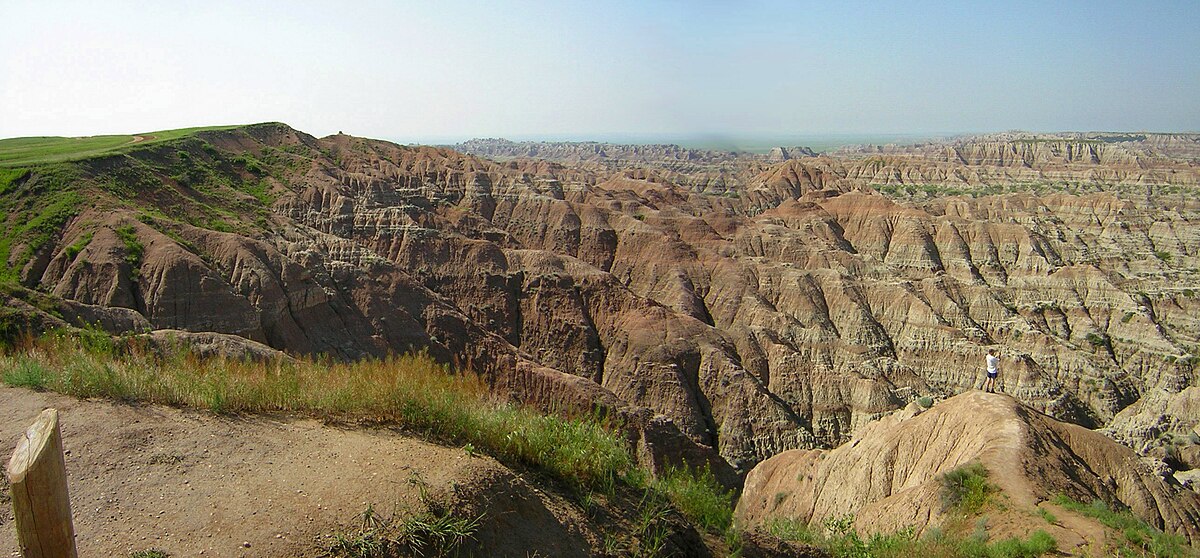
(38, 477)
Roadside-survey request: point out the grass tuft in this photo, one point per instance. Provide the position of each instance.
(967, 489)
(699, 497)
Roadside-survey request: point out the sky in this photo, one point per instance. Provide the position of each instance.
(445, 69)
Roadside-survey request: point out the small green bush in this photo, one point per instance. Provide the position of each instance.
(967, 489)
(76, 247)
(435, 530)
(1039, 543)
(925, 401)
(1097, 340)
(27, 373)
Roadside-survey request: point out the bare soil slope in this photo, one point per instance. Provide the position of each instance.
(756, 307)
(888, 475)
(194, 484)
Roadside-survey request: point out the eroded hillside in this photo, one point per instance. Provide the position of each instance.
(753, 306)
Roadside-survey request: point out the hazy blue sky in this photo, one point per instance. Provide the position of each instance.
(439, 69)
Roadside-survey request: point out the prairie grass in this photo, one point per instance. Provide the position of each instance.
(411, 391)
(1136, 537)
(699, 497)
(50, 149)
(838, 537)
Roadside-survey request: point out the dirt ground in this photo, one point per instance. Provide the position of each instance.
(195, 484)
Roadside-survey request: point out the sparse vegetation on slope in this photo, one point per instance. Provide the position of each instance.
(839, 537)
(411, 390)
(585, 454)
(1136, 537)
(435, 530)
(32, 214)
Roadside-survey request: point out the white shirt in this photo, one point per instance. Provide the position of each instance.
(993, 363)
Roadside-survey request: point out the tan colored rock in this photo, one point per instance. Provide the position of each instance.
(888, 474)
(757, 307)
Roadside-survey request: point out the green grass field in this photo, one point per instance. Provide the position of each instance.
(31, 151)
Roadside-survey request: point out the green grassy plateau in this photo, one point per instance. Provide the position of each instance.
(38, 150)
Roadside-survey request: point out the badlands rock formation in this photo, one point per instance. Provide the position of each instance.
(730, 309)
(888, 474)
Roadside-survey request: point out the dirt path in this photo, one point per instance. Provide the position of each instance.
(195, 484)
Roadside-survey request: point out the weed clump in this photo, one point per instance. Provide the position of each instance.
(699, 497)
(435, 530)
(76, 247)
(134, 250)
(966, 489)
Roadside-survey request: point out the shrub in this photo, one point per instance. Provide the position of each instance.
(925, 401)
(1097, 340)
(966, 488)
(27, 373)
(1039, 543)
(436, 530)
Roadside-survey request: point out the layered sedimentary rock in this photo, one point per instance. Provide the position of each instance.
(750, 307)
(890, 474)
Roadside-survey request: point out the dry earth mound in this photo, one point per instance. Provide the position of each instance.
(194, 484)
(889, 474)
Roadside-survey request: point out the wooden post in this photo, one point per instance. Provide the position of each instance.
(38, 475)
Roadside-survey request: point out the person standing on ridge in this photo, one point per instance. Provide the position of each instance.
(993, 370)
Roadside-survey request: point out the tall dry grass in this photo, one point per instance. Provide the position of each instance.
(411, 391)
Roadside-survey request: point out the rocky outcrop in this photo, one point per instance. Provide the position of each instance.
(737, 309)
(1145, 159)
(780, 154)
(889, 473)
(576, 151)
(210, 345)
